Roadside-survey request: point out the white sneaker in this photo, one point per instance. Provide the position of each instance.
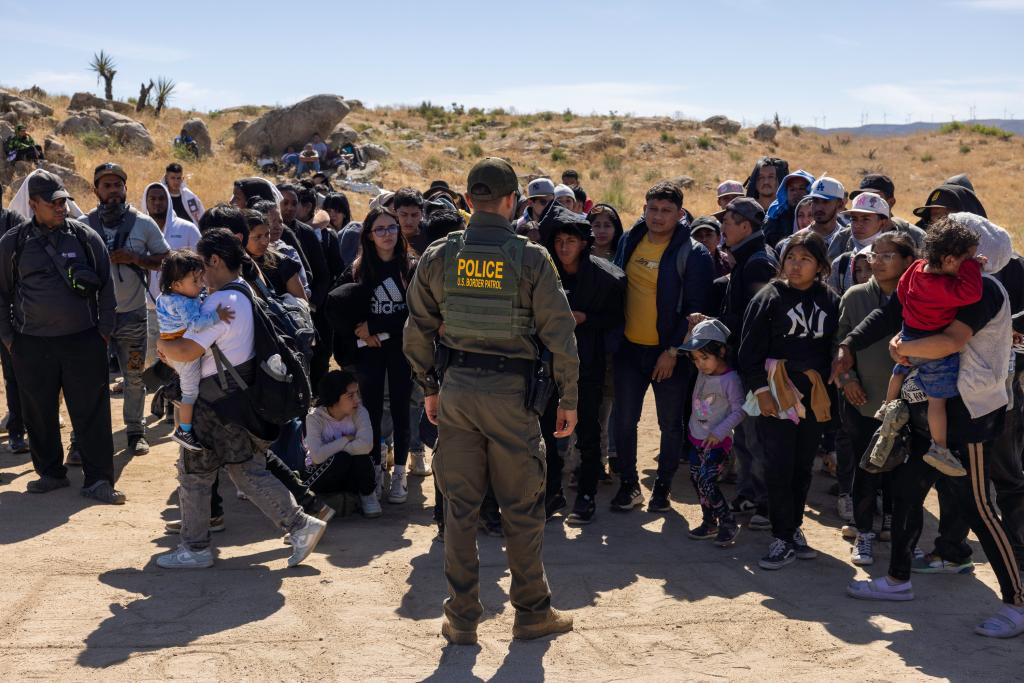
(850, 531)
(418, 465)
(862, 553)
(370, 505)
(183, 558)
(844, 505)
(305, 538)
(399, 487)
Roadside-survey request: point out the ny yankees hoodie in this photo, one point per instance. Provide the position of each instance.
(788, 324)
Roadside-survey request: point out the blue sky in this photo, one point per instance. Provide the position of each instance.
(833, 63)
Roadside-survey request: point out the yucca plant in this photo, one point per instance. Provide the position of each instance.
(164, 91)
(104, 67)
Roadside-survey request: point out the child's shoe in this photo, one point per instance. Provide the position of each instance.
(942, 459)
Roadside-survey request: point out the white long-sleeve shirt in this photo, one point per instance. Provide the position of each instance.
(326, 436)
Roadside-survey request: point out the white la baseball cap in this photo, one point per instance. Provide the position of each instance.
(869, 202)
(827, 188)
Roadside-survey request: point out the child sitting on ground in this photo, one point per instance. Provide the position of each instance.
(179, 310)
(931, 291)
(717, 410)
(339, 438)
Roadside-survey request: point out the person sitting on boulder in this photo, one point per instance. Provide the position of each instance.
(309, 160)
(187, 142)
(21, 146)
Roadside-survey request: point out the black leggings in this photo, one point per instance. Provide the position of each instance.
(789, 456)
(342, 472)
(859, 430)
(372, 367)
(911, 483)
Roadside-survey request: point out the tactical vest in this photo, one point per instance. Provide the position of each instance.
(481, 287)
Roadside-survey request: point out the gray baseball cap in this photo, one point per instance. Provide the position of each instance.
(48, 186)
(704, 332)
(540, 187)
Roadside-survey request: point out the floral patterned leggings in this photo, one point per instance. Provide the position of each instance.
(706, 466)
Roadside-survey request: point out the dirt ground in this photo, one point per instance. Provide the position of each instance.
(84, 600)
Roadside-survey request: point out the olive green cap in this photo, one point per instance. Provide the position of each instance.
(491, 178)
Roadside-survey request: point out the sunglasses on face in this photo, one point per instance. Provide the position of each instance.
(385, 230)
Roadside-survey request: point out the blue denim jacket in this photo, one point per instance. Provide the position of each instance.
(177, 313)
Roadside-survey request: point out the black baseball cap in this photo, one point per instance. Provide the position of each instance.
(47, 186)
(878, 183)
(109, 168)
(746, 207)
(491, 178)
(941, 198)
(706, 222)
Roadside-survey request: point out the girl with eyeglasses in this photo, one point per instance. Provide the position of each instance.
(368, 312)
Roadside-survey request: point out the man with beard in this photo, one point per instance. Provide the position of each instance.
(764, 180)
(187, 206)
(827, 198)
(136, 246)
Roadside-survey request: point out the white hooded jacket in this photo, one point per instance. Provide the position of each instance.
(985, 361)
(191, 200)
(178, 233)
(20, 201)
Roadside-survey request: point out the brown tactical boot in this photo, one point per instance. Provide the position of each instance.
(555, 622)
(457, 637)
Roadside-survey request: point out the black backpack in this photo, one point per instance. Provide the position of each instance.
(292, 318)
(275, 395)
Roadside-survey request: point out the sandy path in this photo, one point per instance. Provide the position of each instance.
(83, 598)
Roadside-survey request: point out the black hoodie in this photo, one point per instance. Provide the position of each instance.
(597, 289)
(781, 171)
(616, 223)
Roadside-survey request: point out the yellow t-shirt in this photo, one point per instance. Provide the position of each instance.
(641, 293)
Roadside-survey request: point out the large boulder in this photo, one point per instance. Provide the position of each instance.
(86, 100)
(375, 152)
(124, 130)
(197, 130)
(22, 107)
(722, 124)
(6, 130)
(343, 134)
(366, 173)
(765, 133)
(78, 186)
(78, 124)
(292, 126)
(55, 151)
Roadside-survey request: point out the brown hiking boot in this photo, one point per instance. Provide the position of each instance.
(556, 622)
(457, 637)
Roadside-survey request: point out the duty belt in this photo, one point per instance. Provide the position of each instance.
(486, 361)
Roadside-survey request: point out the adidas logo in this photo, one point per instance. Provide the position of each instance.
(387, 299)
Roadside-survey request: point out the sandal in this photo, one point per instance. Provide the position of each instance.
(880, 589)
(1008, 622)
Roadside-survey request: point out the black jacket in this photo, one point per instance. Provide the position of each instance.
(317, 271)
(332, 252)
(598, 289)
(756, 265)
(9, 218)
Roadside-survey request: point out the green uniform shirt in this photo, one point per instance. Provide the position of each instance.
(539, 291)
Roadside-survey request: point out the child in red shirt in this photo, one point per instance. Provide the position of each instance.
(931, 291)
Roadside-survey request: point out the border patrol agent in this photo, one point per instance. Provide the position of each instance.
(492, 300)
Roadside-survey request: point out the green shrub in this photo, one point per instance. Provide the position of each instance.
(615, 193)
(927, 157)
(704, 141)
(95, 140)
(965, 149)
(795, 130)
(558, 154)
(668, 138)
(568, 116)
(616, 126)
(475, 150)
(611, 162)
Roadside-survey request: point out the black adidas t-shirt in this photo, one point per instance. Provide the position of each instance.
(388, 309)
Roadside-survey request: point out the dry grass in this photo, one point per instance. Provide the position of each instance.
(654, 148)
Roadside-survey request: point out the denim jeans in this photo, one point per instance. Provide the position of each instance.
(253, 479)
(303, 167)
(129, 343)
(634, 365)
(746, 446)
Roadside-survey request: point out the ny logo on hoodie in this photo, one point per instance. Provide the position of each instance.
(806, 324)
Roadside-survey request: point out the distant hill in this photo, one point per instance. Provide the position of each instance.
(1015, 126)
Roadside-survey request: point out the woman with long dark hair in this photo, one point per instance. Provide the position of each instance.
(368, 313)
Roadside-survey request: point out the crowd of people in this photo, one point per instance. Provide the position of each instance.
(800, 323)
